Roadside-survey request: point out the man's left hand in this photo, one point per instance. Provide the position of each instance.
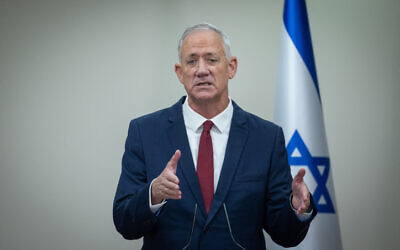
(301, 195)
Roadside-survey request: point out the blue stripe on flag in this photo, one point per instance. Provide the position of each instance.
(296, 23)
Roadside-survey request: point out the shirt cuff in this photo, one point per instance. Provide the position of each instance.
(154, 208)
(304, 216)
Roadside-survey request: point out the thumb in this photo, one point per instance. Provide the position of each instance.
(299, 176)
(173, 163)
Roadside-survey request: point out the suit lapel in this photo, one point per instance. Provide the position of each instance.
(236, 141)
(178, 138)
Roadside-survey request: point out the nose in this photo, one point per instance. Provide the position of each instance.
(202, 69)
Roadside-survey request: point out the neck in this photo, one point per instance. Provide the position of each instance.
(208, 109)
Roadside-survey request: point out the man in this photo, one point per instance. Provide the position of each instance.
(228, 177)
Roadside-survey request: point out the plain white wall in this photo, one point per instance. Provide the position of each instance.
(73, 74)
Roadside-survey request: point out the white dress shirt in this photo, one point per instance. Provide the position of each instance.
(219, 135)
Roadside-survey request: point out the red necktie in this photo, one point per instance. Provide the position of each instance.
(205, 165)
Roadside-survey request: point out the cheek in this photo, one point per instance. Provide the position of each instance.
(222, 77)
(187, 81)
(187, 74)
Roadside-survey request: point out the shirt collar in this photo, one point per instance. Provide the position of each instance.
(194, 121)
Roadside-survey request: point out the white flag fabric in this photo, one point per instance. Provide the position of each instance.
(298, 111)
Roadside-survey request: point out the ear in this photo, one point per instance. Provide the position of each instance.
(232, 66)
(178, 71)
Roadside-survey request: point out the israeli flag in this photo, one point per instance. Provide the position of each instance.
(298, 111)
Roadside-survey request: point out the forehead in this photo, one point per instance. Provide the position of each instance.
(207, 40)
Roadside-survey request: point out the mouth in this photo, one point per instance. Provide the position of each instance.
(200, 84)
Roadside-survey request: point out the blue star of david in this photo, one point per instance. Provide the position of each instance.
(306, 159)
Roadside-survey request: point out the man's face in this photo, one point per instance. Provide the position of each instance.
(204, 70)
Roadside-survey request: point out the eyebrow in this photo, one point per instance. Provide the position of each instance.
(197, 55)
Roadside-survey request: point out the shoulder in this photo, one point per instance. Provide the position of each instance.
(264, 129)
(253, 121)
(262, 133)
(159, 118)
(150, 118)
(258, 121)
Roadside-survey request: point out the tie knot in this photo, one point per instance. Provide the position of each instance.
(207, 125)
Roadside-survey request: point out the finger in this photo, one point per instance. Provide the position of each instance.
(173, 162)
(171, 185)
(171, 177)
(172, 194)
(299, 176)
(301, 209)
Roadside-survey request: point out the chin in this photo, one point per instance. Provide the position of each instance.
(204, 97)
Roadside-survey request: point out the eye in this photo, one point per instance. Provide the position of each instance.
(212, 60)
(191, 62)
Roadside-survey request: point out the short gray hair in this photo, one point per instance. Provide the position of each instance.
(206, 26)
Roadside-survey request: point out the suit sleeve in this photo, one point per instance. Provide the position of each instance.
(281, 222)
(131, 212)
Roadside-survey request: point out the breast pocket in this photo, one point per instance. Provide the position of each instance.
(248, 189)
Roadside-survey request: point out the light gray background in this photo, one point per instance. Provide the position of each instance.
(73, 74)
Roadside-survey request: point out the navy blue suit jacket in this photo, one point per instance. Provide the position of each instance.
(252, 193)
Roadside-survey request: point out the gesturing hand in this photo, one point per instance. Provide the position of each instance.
(301, 195)
(166, 185)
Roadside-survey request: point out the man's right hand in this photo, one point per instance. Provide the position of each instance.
(166, 185)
